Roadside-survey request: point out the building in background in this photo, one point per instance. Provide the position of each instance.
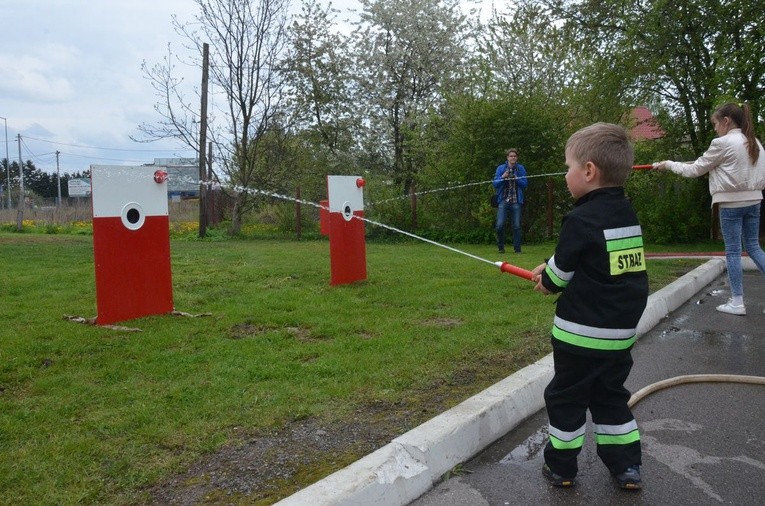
(644, 126)
(183, 177)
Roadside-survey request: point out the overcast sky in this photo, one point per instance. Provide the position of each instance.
(71, 80)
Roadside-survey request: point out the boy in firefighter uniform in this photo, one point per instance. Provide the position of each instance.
(599, 270)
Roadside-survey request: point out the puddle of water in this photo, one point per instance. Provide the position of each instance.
(529, 449)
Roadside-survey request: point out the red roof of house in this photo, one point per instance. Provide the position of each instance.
(645, 126)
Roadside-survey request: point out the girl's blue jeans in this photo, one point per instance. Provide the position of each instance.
(741, 224)
(514, 212)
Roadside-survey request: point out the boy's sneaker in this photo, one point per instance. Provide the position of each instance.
(629, 479)
(730, 308)
(556, 479)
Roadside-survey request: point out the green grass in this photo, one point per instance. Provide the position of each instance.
(91, 415)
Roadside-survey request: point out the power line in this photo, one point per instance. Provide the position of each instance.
(90, 157)
(41, 161)
(102, 148)
(36, 157)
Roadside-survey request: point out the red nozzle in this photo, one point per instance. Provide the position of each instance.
(514, 270)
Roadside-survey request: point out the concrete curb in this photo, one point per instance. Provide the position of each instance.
(407, 467)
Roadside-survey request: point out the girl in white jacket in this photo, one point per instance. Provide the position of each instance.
(735, 161)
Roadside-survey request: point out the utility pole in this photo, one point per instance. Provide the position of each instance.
(58, 179)
(7, 164)
(20, 213)
(203, 143)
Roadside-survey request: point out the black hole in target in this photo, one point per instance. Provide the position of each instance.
(133, 216)
(347, 210)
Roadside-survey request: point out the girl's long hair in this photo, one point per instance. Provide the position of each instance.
(742, 116)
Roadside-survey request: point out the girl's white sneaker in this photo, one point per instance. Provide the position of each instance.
(730, 308)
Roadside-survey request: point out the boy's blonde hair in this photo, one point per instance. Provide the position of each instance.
(607, 146)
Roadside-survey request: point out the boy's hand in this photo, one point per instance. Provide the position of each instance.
(536, 276)
(661, 165)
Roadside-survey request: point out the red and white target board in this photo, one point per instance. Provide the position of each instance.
(131, 242)
(347, 244)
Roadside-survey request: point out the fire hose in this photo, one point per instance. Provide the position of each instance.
(693, 378)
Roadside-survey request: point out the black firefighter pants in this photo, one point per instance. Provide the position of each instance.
(598, 384)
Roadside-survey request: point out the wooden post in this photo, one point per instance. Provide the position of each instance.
(550, 206)
(413, 204)
(298, 222)
(203, 143)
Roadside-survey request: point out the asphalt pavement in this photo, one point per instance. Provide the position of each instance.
(702, 443)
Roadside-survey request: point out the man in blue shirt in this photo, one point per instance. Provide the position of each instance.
(510, 182)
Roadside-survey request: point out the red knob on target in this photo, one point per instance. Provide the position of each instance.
(160, 176)
(360, 183)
